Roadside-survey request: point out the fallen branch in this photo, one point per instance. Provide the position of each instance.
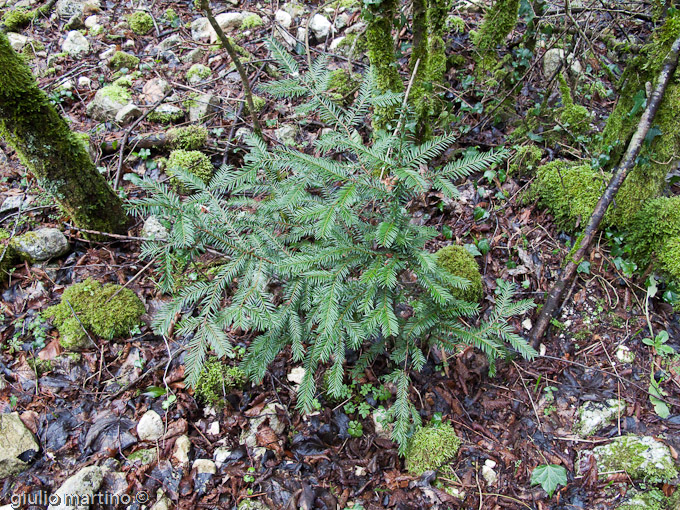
(205, 6)
(620, 173)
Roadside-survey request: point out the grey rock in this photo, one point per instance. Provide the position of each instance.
(595, 415)
(66, 9)
(169, 42)
(204, 466)
(286, 134)
(154, 90)
(194, 56)
(320, 26)
(18, 445)
(221, 455)
(201, 29)
(162, 503)
(80, 486)
(41, 244)
(341, 20)
(91, 21)
(76, 44)
(335, 43)
(283, 18)
(182, 449)
(15, 202)
(554, 57)
(167, 114)
(17, 41)
(242, 133)
(127, 114)
(75, 22)
(202, 107)
(249, 436)
(150, 426)
(84, 82)
(153, 229)
(103, 107)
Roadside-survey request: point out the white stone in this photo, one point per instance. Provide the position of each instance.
(154, 229)
(91, 21)
(624, 354)
(201, 29)
(527, 325)
(489, 474)
(335, 43)
(169, 42)
(296, 375)
(249, 436)
(17, 41)
(84, 82)
(129, 43)
(341, 20)
(552, 59)
(75, 44)
(206, 466)
(182, 449)
(286, 134)
(150, 426)
(220, 455)
(106, 54)
(301, 33)
(595, 415)
(359, 471)
(294, 9)
(283, 18)
(162, 502)
(381, 429)
(214, 428)
(154, 89)
(320, 26)
(84, 484)
(15, 202)
(127, 114)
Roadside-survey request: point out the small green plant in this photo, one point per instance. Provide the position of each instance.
(317, 247)
(549, 476)
(431, 447)
(355, 429)
(659, 344)
(250, 476)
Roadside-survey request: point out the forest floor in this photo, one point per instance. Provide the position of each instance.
(524, 417)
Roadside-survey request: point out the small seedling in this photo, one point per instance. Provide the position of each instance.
(355, 429)
(659, 344)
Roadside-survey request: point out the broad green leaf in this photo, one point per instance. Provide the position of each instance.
(549, 476)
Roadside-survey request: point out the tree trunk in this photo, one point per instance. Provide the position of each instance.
(51, 151)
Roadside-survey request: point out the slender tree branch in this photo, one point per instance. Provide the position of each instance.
(205, 6)
(625, 166)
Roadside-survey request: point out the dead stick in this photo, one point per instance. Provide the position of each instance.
(625, 166)
(205, 6)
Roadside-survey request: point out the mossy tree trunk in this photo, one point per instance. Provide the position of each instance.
(498, 22)
(429, 18)
(380, 48)
(662, 146)
(51, 151)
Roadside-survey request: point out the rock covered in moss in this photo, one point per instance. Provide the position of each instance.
(342, 84)
(640, 457)
(459, 262)
(166, 114)
(41, 244)
(595, 415)
(431, 447)
(189, 138)
(657, 222)
(106, 311)
(669, 256)
(202, 107)
(198, 73)
(649, 500)
(108, 102)
(194, 162)
(121, 59)
(216, 380)
(251, 20)
(76, 44)
(141, 23)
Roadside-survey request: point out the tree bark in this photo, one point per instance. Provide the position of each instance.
(627, 164)
(55, 155)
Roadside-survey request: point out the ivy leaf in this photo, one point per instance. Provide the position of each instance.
(447, 232)
(549, 476)
(584, 267)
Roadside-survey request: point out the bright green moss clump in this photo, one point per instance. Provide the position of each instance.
(669, 257)
(526, 160)
(141, 23)
(217, 380)
(117, 93)
(194, 162)
(342, 84)
(457, 261)
(16, 19)
(569, 190)
(198, 72)
(98, 310)
(188, 137)
(657, 223)
(121, 60)
(499, 21)
(430, 448)
(252, 20)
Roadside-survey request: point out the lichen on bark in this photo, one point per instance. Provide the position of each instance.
(54, 154)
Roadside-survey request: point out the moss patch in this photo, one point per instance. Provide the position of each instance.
(141, 23)
(117, 93)
(121, 60)
(252, 20)
(342, 84)
(98, 310)
(430, 448)
(526, 160)
(642, 458)
(188, 137)
(217, 380)
(198, 72)
(457, 261)
(194, 162)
